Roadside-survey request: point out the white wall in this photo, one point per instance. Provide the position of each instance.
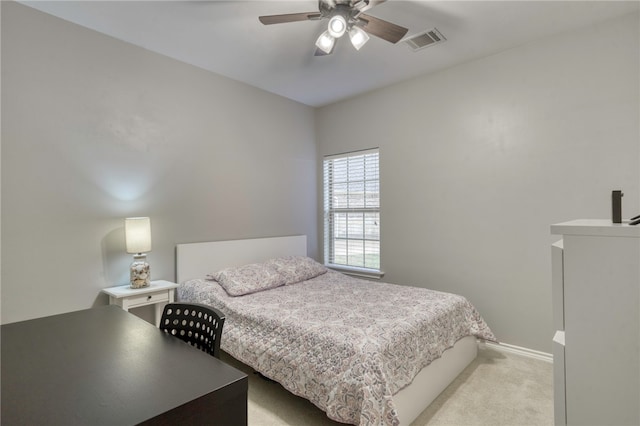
(478, 160)
(95, 130)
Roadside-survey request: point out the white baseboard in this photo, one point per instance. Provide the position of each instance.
(518, 350)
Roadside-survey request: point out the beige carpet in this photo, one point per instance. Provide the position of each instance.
(496, 389)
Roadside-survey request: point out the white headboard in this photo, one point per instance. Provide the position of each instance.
(196, 260)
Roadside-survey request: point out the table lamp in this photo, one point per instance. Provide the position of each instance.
(137, 234)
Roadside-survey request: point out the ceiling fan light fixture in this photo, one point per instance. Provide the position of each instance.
(337, 26)
(358, 37)
(325, 42)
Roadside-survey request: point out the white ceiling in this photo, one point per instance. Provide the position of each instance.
(226, 37)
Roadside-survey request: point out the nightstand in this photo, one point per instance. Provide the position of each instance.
(159, 293)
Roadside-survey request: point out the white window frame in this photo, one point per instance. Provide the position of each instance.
(366, 207)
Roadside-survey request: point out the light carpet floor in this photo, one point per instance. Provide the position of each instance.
(495, 389)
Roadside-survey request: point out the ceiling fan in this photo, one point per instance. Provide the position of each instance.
(345, 16)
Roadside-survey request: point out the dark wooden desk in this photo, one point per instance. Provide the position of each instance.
(104, 366)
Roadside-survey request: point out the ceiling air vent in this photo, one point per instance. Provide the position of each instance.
(425, 39)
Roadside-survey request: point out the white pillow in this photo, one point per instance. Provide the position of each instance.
(297, 268)
(248, 279)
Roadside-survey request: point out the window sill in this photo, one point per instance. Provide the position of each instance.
(357, 272)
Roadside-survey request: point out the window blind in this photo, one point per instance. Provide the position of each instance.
(352, 210)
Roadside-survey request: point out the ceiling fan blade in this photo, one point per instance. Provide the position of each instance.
(364, 5)
(380, 28)
(289, 17)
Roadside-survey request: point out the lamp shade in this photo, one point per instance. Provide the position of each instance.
(325, 42)
(358, 37)
(337, 26)
(137, 234)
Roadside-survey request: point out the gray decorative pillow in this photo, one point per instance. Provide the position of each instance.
(297, 268)
(248, 279)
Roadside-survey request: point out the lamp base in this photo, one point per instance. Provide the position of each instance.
(140, 271)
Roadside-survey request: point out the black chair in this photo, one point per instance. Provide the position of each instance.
(199, 325)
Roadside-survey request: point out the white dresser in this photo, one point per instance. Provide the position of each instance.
(596, 299)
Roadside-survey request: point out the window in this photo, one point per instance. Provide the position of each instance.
(352, 211)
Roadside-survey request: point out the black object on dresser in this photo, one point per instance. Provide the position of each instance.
(105, 366)
(616, 206)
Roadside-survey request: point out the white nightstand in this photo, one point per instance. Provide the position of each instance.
(159, 293)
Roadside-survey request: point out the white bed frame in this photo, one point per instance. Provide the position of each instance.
(196, 260)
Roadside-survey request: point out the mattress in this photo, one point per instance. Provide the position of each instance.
(345, 344)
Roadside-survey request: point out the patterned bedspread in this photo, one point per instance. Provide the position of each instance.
(345, 344)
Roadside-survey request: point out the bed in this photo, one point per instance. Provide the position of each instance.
(357, 349)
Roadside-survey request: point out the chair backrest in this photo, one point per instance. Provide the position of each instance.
(199, 325)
